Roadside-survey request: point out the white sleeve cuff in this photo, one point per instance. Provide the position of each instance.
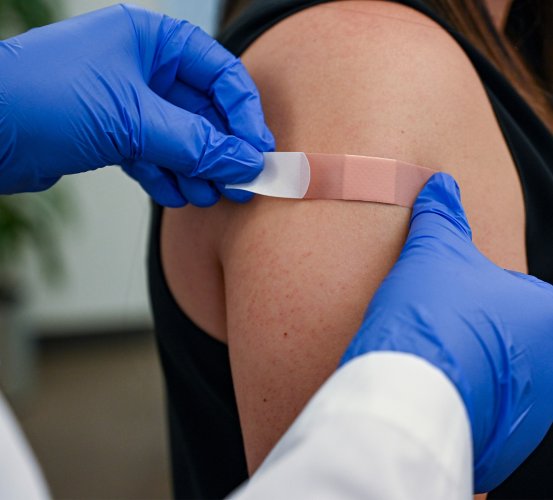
(20, 474)
(385, 425)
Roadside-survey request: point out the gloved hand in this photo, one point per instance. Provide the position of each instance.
(125, 86)
(489, 330)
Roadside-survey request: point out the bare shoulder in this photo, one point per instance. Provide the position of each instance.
(404, 72)
(358, 77)
(293, 278)
(380, 78)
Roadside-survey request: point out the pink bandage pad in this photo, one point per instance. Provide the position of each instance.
(365, 178)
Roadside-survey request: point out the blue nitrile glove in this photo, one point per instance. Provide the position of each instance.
(123, 85)
(489, 330)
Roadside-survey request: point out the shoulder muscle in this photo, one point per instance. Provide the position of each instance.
(367, 78)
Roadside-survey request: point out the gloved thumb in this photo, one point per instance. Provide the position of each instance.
(189, 145)
(438, 210)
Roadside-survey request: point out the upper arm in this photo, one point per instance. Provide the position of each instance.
(367, 78)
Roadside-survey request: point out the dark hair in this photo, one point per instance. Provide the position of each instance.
(524, 53)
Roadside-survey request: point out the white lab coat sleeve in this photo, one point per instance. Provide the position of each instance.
(386, 425)
(20, 475)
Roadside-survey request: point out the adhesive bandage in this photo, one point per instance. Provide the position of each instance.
(338, 177)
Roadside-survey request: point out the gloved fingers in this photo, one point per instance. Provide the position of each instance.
(186, 97)
(202, 59)
(157, 182)
(209, 67)
(191, 146)
(237, 195)
(198, 192)
(236, 98)
(244, 119)
(438, 210)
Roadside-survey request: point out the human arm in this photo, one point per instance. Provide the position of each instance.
(449, 339)
(386, 83)
(122, 85)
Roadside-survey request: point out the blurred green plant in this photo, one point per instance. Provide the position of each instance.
(34, 219)
(17, 16)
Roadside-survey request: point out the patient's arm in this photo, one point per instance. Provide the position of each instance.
(367, 78)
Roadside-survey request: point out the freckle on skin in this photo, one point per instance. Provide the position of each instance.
(285, 334)
(264, 400)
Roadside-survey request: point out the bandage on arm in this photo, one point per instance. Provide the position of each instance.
(365, 178)
(319, 176)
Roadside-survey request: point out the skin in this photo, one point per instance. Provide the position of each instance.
(285, 283)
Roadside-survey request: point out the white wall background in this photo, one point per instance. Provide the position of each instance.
(105, 250)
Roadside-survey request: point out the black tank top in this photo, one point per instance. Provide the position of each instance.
(206, 443)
